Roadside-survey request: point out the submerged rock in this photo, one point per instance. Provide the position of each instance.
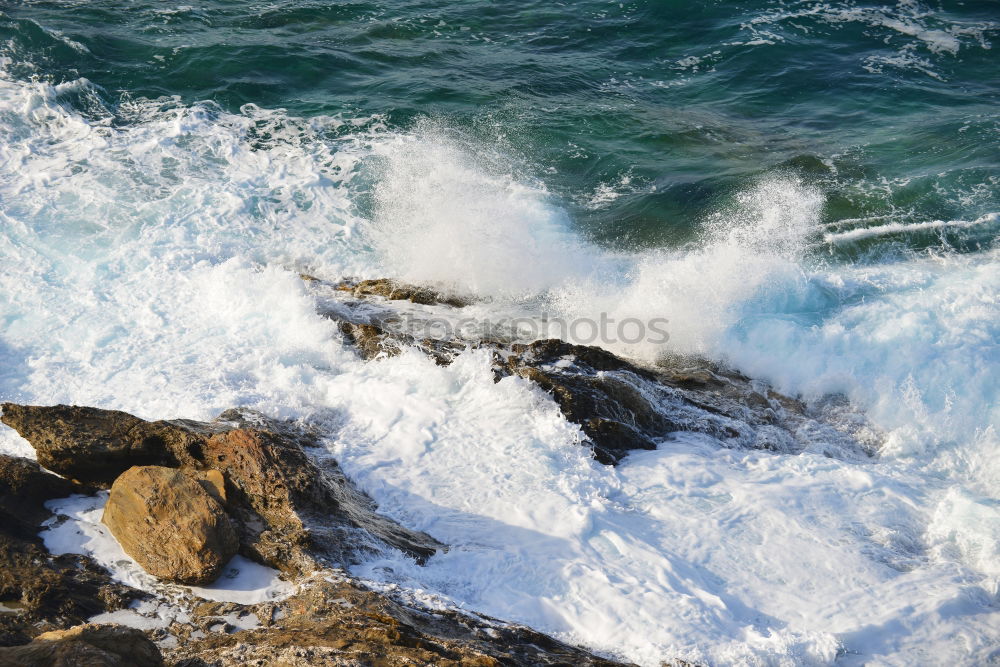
(91, 645)
(170, 525)
(621, 406)
(398, 291)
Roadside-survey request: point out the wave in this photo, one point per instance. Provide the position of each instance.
(151, 257)
(906, 228)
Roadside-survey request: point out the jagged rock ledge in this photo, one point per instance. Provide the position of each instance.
(287, 511)
(395, 290)
(620, 406)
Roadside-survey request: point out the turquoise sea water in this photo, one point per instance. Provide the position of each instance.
(807, 191)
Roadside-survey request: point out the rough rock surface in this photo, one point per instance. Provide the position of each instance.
(398, 291)
(170, 525)
(619, 405)
(95, 446)
(42, 591)
(372, 340)
(333, 621)
(286, 509)
(330, 619)
(88, 645)
(39, 591)
(622, 407)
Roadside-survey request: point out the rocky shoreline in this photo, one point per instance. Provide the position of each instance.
(185, 497)
(285, 512)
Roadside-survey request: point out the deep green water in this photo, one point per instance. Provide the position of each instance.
(666, 108)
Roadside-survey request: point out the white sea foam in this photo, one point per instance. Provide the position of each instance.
(151, 265)
(907, 227)
(753, 243)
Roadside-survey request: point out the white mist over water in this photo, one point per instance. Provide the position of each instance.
(446, 214)
(756, 243)
(151, 266)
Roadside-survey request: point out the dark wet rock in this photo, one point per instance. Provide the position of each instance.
(620, 406)
(397, 291)
(170, 524)
(373, 340)
(614, 402)
(39, 591)
(24, 488)
(95, 446)
(333, 621)
(88, 645)
(284, 507)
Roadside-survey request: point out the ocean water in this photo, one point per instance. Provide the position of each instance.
(807, 191)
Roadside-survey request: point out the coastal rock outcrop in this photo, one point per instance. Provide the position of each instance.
(170, 524)
(91, 645)
(285, 508)
(176, 485)
(619, 405)
(394, 290)
(260, 470)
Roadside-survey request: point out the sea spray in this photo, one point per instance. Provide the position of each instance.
(791, 192)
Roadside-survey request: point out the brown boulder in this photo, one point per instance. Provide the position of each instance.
(169, 523)
(286, 505)
(91, 645)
